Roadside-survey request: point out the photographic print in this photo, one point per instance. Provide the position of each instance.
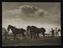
(31, 23)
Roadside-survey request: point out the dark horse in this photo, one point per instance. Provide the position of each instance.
(16, 31)
(34, 31)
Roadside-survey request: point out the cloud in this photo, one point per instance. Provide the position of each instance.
(32, 10)
(26, 10)
(30, 13)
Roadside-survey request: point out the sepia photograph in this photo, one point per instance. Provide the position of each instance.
(31, 23)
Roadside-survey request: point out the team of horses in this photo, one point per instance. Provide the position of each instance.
(34, 31)
(31, 31)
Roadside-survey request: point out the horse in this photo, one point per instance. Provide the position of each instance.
(29, 31)
(34, 31)
(42, 30)
(16, 31)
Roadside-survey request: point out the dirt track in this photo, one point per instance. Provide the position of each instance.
(33, 42)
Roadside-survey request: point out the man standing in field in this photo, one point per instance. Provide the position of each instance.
(56, 32)
(52, 30)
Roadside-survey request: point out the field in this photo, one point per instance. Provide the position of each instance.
(33, 42)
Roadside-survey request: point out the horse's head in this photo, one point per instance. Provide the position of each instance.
(28, 28)
(9, 27)
(43, 29)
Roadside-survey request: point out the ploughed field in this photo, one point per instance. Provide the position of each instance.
(56, 40)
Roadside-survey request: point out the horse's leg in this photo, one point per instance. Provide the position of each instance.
(31, 34)
(43, 34)
(23, 34)
(57, 33)
(5, 35)
(27, 33)
(14, 36)
(37, 35)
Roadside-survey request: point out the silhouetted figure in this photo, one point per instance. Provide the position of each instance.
(16, 31)
(52, 30)
(57, 31)
(4, 33)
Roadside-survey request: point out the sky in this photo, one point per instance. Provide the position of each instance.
(22, 14)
